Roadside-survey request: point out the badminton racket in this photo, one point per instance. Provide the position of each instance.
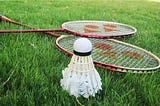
(96, 29)
(114, 55)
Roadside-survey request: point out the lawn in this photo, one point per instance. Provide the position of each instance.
(37, 64)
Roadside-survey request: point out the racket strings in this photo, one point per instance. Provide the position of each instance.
(127, 61)
(118, 60)
(132, 62)
(101, 51)
(67, 43)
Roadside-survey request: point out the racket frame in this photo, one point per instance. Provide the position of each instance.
(111, 66)
(99, 35)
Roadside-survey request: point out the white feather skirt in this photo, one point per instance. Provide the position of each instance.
(81, 77)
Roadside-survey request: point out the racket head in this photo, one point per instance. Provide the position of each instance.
(99, 29)
(114, 55)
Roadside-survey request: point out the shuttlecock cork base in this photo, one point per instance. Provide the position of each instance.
(81, 77)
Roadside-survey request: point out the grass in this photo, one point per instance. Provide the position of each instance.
(38, 63)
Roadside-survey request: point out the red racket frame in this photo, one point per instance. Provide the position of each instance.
(111, 66)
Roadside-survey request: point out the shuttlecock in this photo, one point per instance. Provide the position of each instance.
(81, 77)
